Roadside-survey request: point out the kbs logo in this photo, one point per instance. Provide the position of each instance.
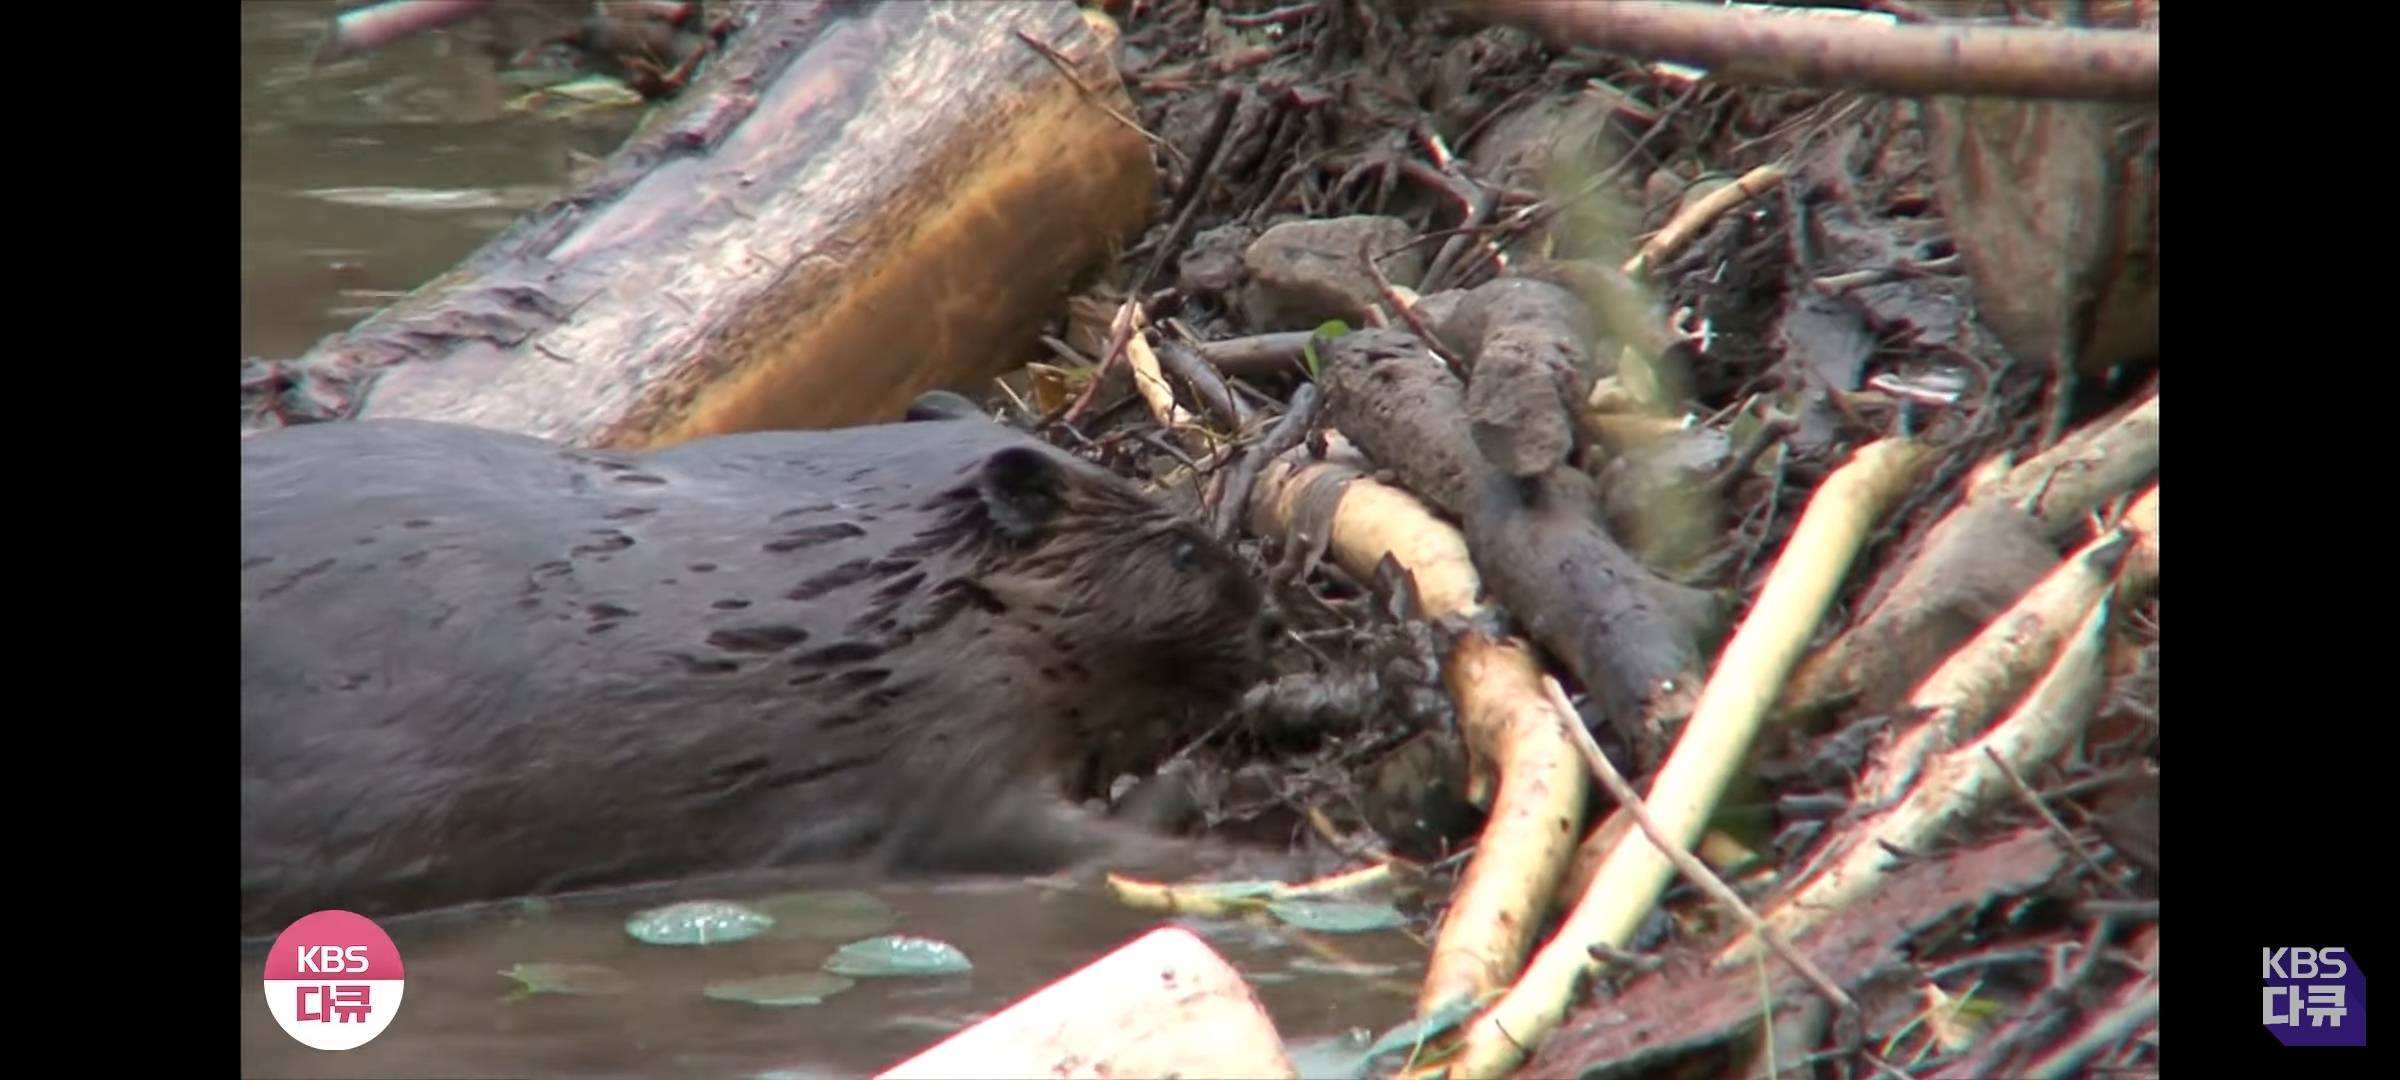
(333, 980)
(2314, 997)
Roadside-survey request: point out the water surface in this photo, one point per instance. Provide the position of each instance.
(460, 1017)
(368, 178)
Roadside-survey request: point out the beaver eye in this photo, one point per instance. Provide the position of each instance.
(1186, 555)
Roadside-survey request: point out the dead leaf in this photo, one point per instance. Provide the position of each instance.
(2054, 206)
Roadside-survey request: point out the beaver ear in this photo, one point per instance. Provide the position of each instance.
(1019, 486)
(942, 405)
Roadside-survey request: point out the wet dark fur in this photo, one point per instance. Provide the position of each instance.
(479, 666)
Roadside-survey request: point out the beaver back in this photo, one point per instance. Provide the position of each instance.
(477, 665)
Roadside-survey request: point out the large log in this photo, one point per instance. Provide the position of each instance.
(853, 205)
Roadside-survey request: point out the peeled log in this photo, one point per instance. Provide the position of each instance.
(853, 205)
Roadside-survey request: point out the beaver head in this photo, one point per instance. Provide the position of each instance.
(1095, 587)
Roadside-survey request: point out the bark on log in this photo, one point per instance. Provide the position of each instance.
(852, 206)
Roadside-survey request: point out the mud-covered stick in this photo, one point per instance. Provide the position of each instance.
(1259, 355)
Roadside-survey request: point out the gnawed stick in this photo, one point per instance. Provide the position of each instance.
(1530, 833)
(1982, 677)
(1701, 214)
(1686, 863)
(1975, 563)
(1960, 784)
(1538, 802)
(2068, 481)
(1822, 546)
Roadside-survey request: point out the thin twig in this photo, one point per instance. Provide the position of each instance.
(2057, 828)
(1690, 866)
(1069, 353)
(1126, 324)
(1287, 13)
(1067, 67)
(1298, 418)
(1408, 311)
(1477, 213)
(2115, 1027)
(1206, 384)
(1259, 355)
(1229, 102)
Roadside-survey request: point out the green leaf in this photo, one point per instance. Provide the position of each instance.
(1413, 1035)
(1326, 331)
(1336, 916)
(898, 954)
(580, 980)
(697, 922)
(780, 991)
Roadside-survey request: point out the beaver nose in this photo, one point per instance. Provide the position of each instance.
(1267, 628)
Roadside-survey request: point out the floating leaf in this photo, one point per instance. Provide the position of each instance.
(828, 915)
(580, 980)
(697, 922)
(408, 198)
(597, 90)
(1413, 1035)
(924, 1024)
(577, 97)
(537, 78)
(898, 954)
(1313, 966)
(1229, 890)
(1336, 916)
(777, 991)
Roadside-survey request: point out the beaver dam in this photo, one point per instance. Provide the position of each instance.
(1553, 538)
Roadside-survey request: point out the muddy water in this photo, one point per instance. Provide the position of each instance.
(370, 177)
(461, 1017)
(364, 180)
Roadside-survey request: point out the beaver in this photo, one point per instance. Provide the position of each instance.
(478, 665)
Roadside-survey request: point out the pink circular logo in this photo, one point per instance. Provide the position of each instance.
(333, 980)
